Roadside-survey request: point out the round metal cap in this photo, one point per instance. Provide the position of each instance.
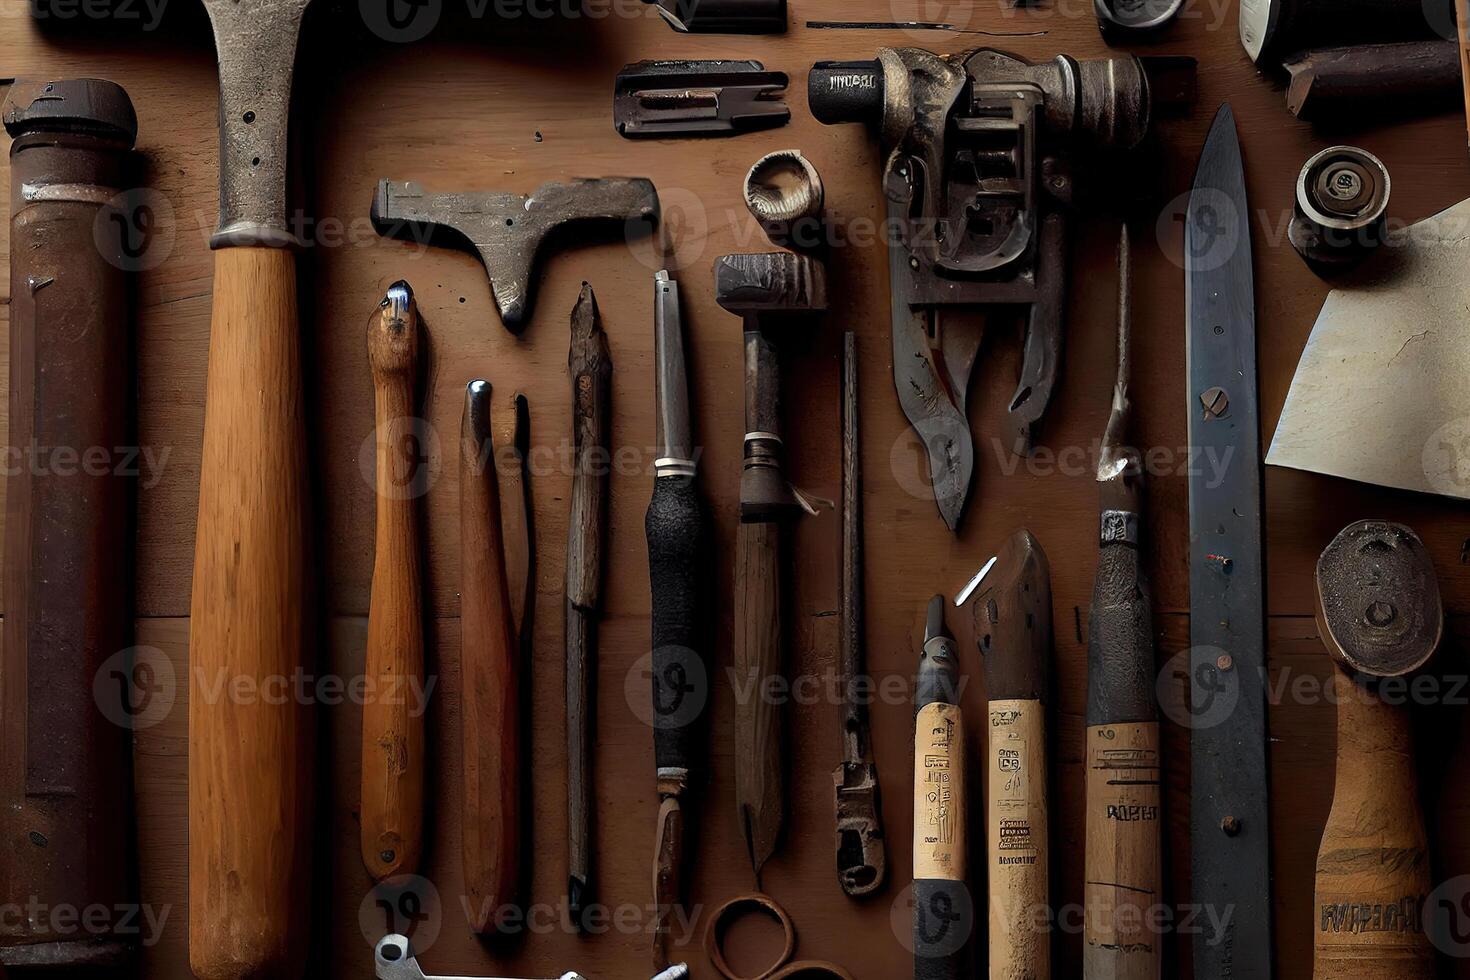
(93, 106)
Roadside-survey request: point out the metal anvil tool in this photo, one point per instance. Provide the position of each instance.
(395, 961)
(509, 231)
(978, 182)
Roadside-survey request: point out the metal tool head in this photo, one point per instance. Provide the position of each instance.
(661, 99)
(1378, 604)
(753, 284)
(862, 863)
(88, 106)
(256, 43)
(508, 231)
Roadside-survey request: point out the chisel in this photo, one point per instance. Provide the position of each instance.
(392, 813)
(943, 910)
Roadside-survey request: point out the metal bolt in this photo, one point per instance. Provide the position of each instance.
(387, 856)
(1381, 613)
(1216, 402)
(1345, 184)
(1225, 662)
(1231, 826)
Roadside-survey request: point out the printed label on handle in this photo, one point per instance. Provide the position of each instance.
(1122, 917)
(1017, 834)
(939, 793)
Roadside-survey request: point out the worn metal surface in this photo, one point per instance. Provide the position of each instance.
(1229, 815)
(665, 99)
(256, 44)
(69, 693)
(396, 961)
(509, 231)
(862, 864)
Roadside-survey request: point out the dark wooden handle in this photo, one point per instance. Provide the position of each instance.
(759, 793)
(1396, 78)
(249, 798)
(392, 809)
(1124, 854)
(490, 673)
(1373, 866)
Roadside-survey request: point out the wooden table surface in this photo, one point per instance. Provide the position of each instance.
(506, 104)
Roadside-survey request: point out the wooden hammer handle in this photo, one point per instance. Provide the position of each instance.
(759, 792)
(490, 679)
(1373, 866)
(392, 715)
(249, 739)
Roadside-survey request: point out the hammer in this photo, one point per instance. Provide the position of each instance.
(773, 293)
(249, 799)
(509, 231)
(1380, 617)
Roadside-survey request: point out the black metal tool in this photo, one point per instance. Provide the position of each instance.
(861, 861)
(1124, 819)
(979, 189)
(678, 543)
(1341, 207)
(662, 99)
(1131, 21)
(723, 16)
(1229, 825)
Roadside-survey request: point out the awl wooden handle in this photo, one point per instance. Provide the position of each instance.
(392, 714)
(249, 800)
(758, 762)
(490, 685)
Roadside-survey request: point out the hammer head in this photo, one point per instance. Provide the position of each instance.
(508, 230)
(750, 285)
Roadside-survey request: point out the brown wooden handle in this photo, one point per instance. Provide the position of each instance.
(758, 784)
(1124, 861)
(1373, 868)
(392, 714)
(490, 679)
(1462, 20)
(249, 800)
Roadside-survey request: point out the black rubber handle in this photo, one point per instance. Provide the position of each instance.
(845, 91)
(944, 919)
(1120, 641)
(677, 549)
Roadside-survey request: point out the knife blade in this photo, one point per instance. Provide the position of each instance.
(1230, 831)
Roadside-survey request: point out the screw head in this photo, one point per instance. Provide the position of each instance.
(1216, 402)
(1225, 662)
(1231, 826)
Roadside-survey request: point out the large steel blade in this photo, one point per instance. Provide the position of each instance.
(1230, 829)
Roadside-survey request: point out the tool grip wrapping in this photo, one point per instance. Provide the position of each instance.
(249, 795)
(1120, 643)
(677, 541)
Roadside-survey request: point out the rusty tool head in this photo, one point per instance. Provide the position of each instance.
(1378, 604)
(256, 42)
(761, 286)
(508, 231)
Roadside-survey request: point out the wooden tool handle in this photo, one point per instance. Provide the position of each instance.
(1462, 21)
(1124, 853)
(392, 714)
(758, 738)
(1396, 79)
(249, 738)
(490, 679)
(1013, 621)
(1373, 866)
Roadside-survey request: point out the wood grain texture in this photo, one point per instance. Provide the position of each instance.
(758, 671)
(392, 718)
(490, 671)
(465, 105)
(1374, 78)
(1373, 866)
(249, 731)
